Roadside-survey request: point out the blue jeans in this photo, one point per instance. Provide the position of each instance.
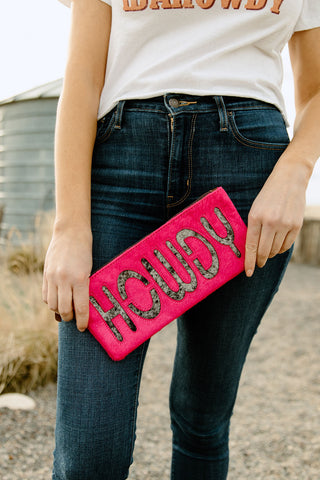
(153, 157)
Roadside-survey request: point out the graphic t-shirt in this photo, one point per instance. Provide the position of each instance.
(201, 47)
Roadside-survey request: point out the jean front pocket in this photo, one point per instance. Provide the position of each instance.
(262, 128)
(105, 126)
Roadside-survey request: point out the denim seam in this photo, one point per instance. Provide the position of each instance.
(230, 107)
(179, 110)
(198, 109)
(223, 116)
(118, 115)
(173, 469)
(108, 130)
(168, 142)
(252, 143)
(170, 157)
(190, 143)
(137, 109)
(134, 417)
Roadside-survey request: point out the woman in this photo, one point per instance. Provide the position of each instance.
(163, 101)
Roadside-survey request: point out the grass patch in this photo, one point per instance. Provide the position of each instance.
(28, 331)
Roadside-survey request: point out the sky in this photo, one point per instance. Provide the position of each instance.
(34, 40)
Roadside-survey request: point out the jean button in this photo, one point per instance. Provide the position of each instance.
(173, 102)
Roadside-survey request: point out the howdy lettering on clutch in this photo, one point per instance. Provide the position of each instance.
(168, 273)
(138, 5)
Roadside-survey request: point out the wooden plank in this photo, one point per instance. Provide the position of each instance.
(307, 245)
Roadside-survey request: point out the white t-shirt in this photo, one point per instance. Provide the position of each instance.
(201, 47)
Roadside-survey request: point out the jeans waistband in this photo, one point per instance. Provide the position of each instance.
(178, 102)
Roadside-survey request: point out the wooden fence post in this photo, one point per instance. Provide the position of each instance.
(307, 245)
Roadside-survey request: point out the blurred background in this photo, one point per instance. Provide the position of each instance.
(33, 52)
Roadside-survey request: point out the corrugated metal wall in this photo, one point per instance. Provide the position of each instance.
(26, 163)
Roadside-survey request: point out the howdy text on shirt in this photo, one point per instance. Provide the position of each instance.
(137, 5)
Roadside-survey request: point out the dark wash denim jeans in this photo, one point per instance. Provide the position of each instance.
(153, 157)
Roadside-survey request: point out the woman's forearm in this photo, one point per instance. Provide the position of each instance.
(75, 132)
(304, 149)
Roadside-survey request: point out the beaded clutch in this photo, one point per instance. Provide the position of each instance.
(167, 272)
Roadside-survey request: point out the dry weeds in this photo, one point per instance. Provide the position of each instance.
(28, 332)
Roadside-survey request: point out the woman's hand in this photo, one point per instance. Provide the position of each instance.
(276, 215)
(67, 269)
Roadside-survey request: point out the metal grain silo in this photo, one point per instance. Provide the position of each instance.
(27, 123)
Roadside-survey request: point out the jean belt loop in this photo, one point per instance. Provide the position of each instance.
(222, 113)
(119, 112)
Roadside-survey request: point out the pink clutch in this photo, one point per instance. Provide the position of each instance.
(159, 278)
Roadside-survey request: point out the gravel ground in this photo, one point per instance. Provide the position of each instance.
(275, 430)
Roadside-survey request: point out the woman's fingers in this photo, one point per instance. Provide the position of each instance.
(289, 239)
(266, 240)
(65, 307)
(67, 297)
(66, 274)
(277, 243)
(81, 304)
(252, 242)
(52, 297)
(69, 302)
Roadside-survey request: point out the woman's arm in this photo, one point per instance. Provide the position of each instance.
(69, 257)
(276, 216)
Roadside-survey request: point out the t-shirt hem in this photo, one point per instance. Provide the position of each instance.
(307, 26)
